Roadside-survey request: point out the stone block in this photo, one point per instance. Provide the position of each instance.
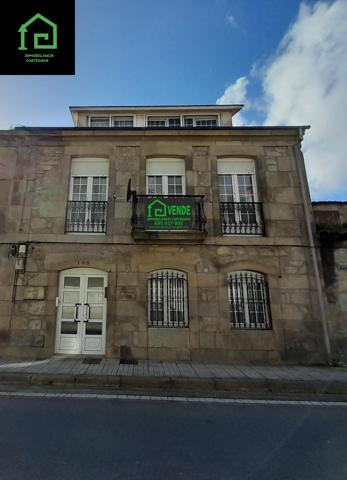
(168, 337)
(127, 293)
(35, 324)
(127, 279)
(278, 179)
(32, 307)
(5, 186)
(34, 293)
(207, 340)
(8, 157)
(284, 163)
(140, 339)
(207, 294)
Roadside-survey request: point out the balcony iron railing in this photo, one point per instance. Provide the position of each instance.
(86, 217)
(242, 218)
(168, 213)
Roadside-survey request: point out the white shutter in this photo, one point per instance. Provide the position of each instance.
(89, 167)
(165, 166)
(229, 166)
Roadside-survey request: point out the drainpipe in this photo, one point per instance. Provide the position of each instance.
(307, 202)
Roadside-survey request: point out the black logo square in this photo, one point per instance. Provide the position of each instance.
(37, 37)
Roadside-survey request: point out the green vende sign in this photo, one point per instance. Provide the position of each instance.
(169, 213)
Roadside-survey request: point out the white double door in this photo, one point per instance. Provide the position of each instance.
(81, 320)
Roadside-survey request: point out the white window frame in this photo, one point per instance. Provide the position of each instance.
(163, 118)
(165, 168)
(235, 167)
(120, 117)
(99, 116)
(201, 117)
(89, 168)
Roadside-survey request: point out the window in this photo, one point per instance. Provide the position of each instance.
(165, 176)
(122, 122)
(99, 121)
(87, 204)
(167, 299)
(172, 122)
(240, 211)
(211, 121)
(249, 300)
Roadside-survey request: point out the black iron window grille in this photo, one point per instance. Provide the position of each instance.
(86, 217)
(242, 218)
(167, 299)
(249, 305)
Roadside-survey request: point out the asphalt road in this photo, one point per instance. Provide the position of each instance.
(52, 438)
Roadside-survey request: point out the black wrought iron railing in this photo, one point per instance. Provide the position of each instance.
(86, 217)
(184, 213)
(242, 218)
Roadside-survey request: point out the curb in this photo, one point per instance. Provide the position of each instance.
(232, 385)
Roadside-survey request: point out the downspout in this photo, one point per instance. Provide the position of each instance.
(307, 202)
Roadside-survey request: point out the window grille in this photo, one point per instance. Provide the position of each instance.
(249, 301)
(167, 299)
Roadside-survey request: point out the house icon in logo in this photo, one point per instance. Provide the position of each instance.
(39, 36)
(157, 208)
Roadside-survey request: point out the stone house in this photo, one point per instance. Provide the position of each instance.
(331, 220)
(158, 232)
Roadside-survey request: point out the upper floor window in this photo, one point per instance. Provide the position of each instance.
(249, 305)
(87, 204)
(165, 176)
(240, 211)
(167, 299)
(122, 121)
(209, 121)
(163, 121)
(99, 121)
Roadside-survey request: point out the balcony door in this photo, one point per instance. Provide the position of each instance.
(165, 176)
(88, 196)
(239, 207)
(81, 316)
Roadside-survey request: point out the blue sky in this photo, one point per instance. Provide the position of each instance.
(181, 51)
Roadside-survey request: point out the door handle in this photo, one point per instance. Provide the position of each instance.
(88, 312)
(76, 312)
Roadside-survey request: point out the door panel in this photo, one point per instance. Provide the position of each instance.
(81, 323)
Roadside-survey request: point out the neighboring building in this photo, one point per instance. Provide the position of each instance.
(331, 220)
(209, 260)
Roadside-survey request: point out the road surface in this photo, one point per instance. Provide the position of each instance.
(79, 438)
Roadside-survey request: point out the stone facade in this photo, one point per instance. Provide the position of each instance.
(331, 219)
(35, 167)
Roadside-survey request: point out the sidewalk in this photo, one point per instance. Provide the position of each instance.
(184, 376)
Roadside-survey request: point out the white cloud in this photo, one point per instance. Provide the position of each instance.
(233, 94)
(306, 83)
(231, 20)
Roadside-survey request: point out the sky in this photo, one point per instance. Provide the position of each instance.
(286, 60)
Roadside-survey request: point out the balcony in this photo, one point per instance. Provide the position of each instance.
(86, 217)
(168, 217)
(242, 218)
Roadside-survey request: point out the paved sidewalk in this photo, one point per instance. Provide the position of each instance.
(67, 370)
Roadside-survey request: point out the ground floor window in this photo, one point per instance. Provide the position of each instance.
(249, 300)
(167, 299)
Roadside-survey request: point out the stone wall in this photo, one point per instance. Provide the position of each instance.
(34, 180)
(333, 251)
